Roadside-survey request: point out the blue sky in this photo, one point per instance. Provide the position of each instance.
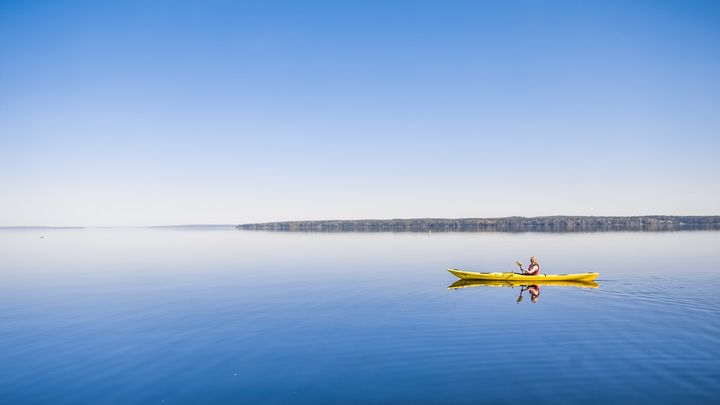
(167, 112)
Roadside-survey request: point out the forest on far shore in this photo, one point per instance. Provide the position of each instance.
(505, 224)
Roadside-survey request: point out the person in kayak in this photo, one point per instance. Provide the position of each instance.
(533, 269)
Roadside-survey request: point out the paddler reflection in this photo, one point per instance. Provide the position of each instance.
(533, 290)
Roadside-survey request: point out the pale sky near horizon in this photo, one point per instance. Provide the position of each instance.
(177, 112)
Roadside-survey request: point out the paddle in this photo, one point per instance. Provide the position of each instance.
(522, 288)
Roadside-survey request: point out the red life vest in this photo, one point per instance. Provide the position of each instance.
(537, 269)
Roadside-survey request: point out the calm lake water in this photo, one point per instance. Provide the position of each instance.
(201, 316)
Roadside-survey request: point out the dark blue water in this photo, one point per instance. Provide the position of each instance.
(179, 316)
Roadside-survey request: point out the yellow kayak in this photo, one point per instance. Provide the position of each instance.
(469, 275)
(518, 283)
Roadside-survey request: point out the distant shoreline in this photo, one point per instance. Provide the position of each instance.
(559, 223)
(503, 224)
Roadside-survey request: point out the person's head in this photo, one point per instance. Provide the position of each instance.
(533, 260)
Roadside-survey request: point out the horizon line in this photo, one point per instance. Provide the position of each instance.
(323, 220)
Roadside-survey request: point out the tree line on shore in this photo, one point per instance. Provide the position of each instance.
(505, 224)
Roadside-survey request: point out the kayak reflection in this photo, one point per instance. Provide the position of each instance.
(520, 283)
(533, 289)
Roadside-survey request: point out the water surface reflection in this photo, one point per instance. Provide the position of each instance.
(143, 316)
(533, 289)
